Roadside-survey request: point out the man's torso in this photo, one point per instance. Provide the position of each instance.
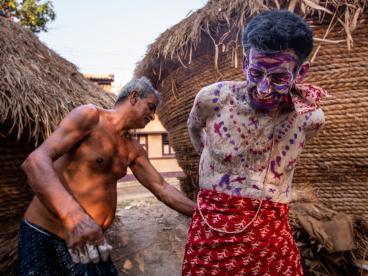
(247, 153)
(90, 171)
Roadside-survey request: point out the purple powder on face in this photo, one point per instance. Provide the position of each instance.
(216, 108)
(291, 141)
(215, 100)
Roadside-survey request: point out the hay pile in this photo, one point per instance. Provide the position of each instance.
(330, 242)
(37, 89)
(205, 48)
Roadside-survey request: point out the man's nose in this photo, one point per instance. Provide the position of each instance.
(264, 88)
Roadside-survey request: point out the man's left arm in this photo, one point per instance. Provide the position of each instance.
(153, 181)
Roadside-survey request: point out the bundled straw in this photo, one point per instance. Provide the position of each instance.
(37, 89)
(205, 48)
(336, 250)
(221, 21)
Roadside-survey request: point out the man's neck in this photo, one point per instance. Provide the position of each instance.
(120, 118)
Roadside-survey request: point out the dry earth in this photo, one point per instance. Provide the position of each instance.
(148, 237)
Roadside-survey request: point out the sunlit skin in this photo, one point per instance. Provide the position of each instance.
(270, 76)
(75, 171)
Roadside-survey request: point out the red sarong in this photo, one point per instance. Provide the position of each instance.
(265, 247)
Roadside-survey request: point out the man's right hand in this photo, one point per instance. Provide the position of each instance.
(85, 239)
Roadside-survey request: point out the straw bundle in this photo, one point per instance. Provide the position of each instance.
(37, 89)
(205, 48)
(330, 243)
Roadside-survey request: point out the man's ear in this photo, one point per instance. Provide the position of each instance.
(133, 97)
(245, 64)
(302, 72)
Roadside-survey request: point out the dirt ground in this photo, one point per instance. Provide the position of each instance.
(147, 237)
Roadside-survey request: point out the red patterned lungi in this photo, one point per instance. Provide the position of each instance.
(265, 247)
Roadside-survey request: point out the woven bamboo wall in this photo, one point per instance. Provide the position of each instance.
(336, 161)
(15, 195)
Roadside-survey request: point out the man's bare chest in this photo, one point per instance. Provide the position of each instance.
(102, 153)
(232, 136)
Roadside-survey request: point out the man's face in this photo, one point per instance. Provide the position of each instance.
(271, 76)
(146, 109)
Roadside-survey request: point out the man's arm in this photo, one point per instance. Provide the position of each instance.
(46, 184)
(153, 181)
(203, 107)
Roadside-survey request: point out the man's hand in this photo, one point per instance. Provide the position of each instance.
(85, 239)
(91, 253)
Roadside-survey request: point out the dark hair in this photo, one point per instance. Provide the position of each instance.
(142, 86)
(278, 30)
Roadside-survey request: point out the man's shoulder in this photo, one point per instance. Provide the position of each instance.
(87, 115)
(86, 108)
(223, 86)
(220, 91)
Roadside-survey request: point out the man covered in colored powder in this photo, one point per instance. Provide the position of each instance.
(249, 135)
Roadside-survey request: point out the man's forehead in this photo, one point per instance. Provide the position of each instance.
(272, 56)
(151, 98)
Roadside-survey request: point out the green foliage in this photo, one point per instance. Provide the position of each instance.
(29, 13)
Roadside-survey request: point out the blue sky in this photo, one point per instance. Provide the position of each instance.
(110, 37)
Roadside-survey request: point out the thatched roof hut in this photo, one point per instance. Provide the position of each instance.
(37, 89)
(205, 47)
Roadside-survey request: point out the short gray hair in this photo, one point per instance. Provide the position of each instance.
(142, 86)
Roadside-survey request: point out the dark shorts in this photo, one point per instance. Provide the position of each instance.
(43, 253)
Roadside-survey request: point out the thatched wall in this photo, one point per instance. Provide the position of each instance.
(37, 89)
(337, 160)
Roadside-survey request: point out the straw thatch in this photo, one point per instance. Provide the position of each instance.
(205, 48)
(37, 89)
(330, 242)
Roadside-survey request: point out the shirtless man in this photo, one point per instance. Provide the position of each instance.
(74, 174)
(249, 135)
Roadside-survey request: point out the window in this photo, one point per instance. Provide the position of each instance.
(166, 148)
(143, 141)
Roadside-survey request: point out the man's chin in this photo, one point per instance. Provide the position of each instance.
(263, 106)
